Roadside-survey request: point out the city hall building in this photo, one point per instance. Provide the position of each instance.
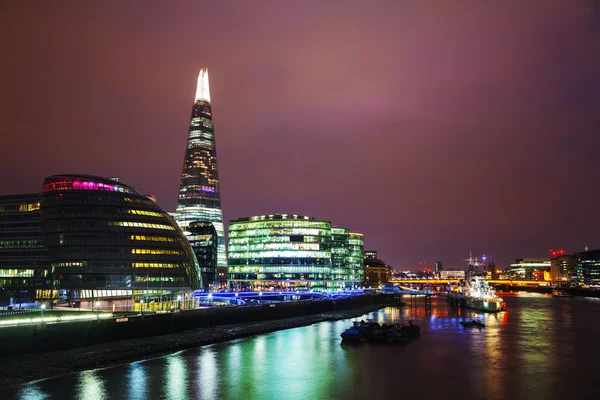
(86, 238)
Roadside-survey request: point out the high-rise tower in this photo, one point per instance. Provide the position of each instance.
(199, 194)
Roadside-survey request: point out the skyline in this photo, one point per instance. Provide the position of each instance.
(433, 136)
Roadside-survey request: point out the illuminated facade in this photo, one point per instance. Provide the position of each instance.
(565, 270)
(340, 251)
(356, 260)
(203, 239)
(280, 252)
(377, 272)
(370, 254)
(199, 192)
(590, 266)
(24, 262)
(528, 269)
(106, 240)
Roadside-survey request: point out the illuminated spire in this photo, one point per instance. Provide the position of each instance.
(202, 91)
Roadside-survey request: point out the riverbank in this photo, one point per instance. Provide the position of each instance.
(575, 291)
(22, 369)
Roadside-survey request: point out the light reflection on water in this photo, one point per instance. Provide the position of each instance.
(91, 385)
(175, 377)
(138, 382)
(534, 350)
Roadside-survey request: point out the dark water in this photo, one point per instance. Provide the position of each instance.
(541, 348)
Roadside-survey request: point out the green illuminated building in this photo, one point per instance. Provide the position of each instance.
(356, 260)
(340, 252)
(285, 252)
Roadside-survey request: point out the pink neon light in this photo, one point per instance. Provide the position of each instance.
(77, 184)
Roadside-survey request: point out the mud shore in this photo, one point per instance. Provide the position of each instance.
(22, 369)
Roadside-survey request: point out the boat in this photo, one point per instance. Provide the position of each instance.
(404, 334)
(375, 333)
(477, 292)
(359, 331)
(560, 293)
(472, 324)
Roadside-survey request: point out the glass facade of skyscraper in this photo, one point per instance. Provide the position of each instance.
(24, 261)
(340, 251)
(199, 193)
(590, 266)
(203, 239)
(356, 260)
(281, 252)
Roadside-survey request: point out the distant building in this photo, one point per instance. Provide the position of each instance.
(452, 274)
(590, 267)
(376, 272)
(491, 270)
(528, 269)
(24, 260)
(565, 270)
(285, 251)
(438, 268)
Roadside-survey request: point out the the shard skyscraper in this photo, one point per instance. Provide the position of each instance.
(199, 194)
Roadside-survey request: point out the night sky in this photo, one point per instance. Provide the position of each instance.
(433, 127)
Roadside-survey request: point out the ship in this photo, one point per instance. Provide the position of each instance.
(477, 292)
(560, 293)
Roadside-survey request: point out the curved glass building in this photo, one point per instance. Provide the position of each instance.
(106, 240)
(282, 252)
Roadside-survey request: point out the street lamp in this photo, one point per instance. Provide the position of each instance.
(98, 309)
(209, 299)
(142, 306)
(179, 301)
(43, 307)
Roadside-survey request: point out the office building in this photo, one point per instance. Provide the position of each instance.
(590, 267)
(203, 239)
(565, 270)
(340, 253)
(24, 261)
(356, 259)
(451, 274)
(199, 192)
(285, 251)
(528, 269)
(376, 272)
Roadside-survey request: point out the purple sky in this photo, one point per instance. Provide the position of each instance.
(433, 127)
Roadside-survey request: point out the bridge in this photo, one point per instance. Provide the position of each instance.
(242, 298)
(435, 282)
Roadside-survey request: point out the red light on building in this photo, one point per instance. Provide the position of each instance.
(557, 252)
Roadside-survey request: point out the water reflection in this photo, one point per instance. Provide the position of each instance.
(137, 381)
(175, 377)
(32, 391)
(534, 350)
(91, 385)
(208, 374)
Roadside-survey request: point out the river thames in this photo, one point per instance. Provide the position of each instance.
(542, 347)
